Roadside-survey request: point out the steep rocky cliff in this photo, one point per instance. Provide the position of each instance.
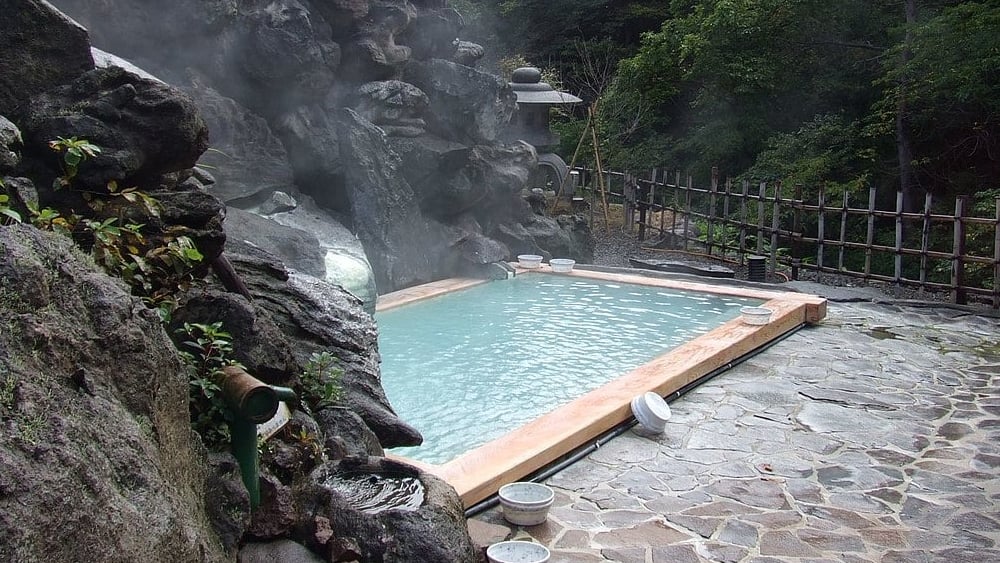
(98, 461)
(372, 109)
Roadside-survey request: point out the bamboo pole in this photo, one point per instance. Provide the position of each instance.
(600, 170)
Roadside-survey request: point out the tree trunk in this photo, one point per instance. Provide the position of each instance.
(904, 149)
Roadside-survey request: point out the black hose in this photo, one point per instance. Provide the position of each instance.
(618, 430)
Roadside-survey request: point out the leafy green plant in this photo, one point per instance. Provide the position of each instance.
(206, 350)
(74, 151)
(321, 380)
(7, 215)
(49, 219)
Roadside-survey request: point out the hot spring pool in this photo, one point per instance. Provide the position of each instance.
(469, 366)
(554, 359)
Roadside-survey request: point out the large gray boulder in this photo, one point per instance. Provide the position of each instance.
(145, 128)
(429, 526)
(31, 62)
(247, 160)
(97, 457)
(467, 105)
(403, 248)
(315, 316)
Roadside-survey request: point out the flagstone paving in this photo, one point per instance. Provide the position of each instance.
(872, 436)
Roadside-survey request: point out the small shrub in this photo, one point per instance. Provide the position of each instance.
(207, 349)
(321, 380)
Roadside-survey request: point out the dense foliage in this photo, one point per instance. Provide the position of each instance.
(805, 90)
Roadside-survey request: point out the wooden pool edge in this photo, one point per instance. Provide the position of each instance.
(478, 474)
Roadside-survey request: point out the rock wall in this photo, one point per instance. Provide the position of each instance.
(98, 461)
(373, 109)
(97, 458)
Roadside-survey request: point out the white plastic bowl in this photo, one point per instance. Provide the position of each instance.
(756, 315)
(529, 261)
(562, 265)
(651, 411)
(524, 503)
(517, 552)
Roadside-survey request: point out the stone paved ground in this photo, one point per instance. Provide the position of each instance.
(874, 436)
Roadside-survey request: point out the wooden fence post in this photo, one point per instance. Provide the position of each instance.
(958, 251)
(897, 258)
(925, 239)
(673, 211)
(760, 218)
(820, 224)
(796, 230)
(996, 255)
(687, 211)
(870, 237)
(713, 189)
(843, 232)
(725, 216)
(775, 225)
(743, 221)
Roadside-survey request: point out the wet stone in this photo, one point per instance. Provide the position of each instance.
(838, 516)
(573, 539)
(738, 533)
(927, 480)
(702, 526)
(759, 493)
(681, 484)
(965, 556)
(805, 491)
(723, 553)
(721, 508)
(675, 554)
(939, 467)
(985, 462)
(775, 520)
(624, 450)
(965, 538)
(954, 430)
(575, 518)
(610, 499)
(577, 557)
(825, 541)
(637, 480)
(653, 533)
(785, 544)
(924, 539)
(855, 478)
(884, 537)
(890, 496)
(906, 557)
(625, 518)
(784, 466)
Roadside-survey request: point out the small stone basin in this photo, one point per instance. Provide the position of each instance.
(376, 492)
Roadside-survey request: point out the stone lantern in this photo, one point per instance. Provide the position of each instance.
(531, 124)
